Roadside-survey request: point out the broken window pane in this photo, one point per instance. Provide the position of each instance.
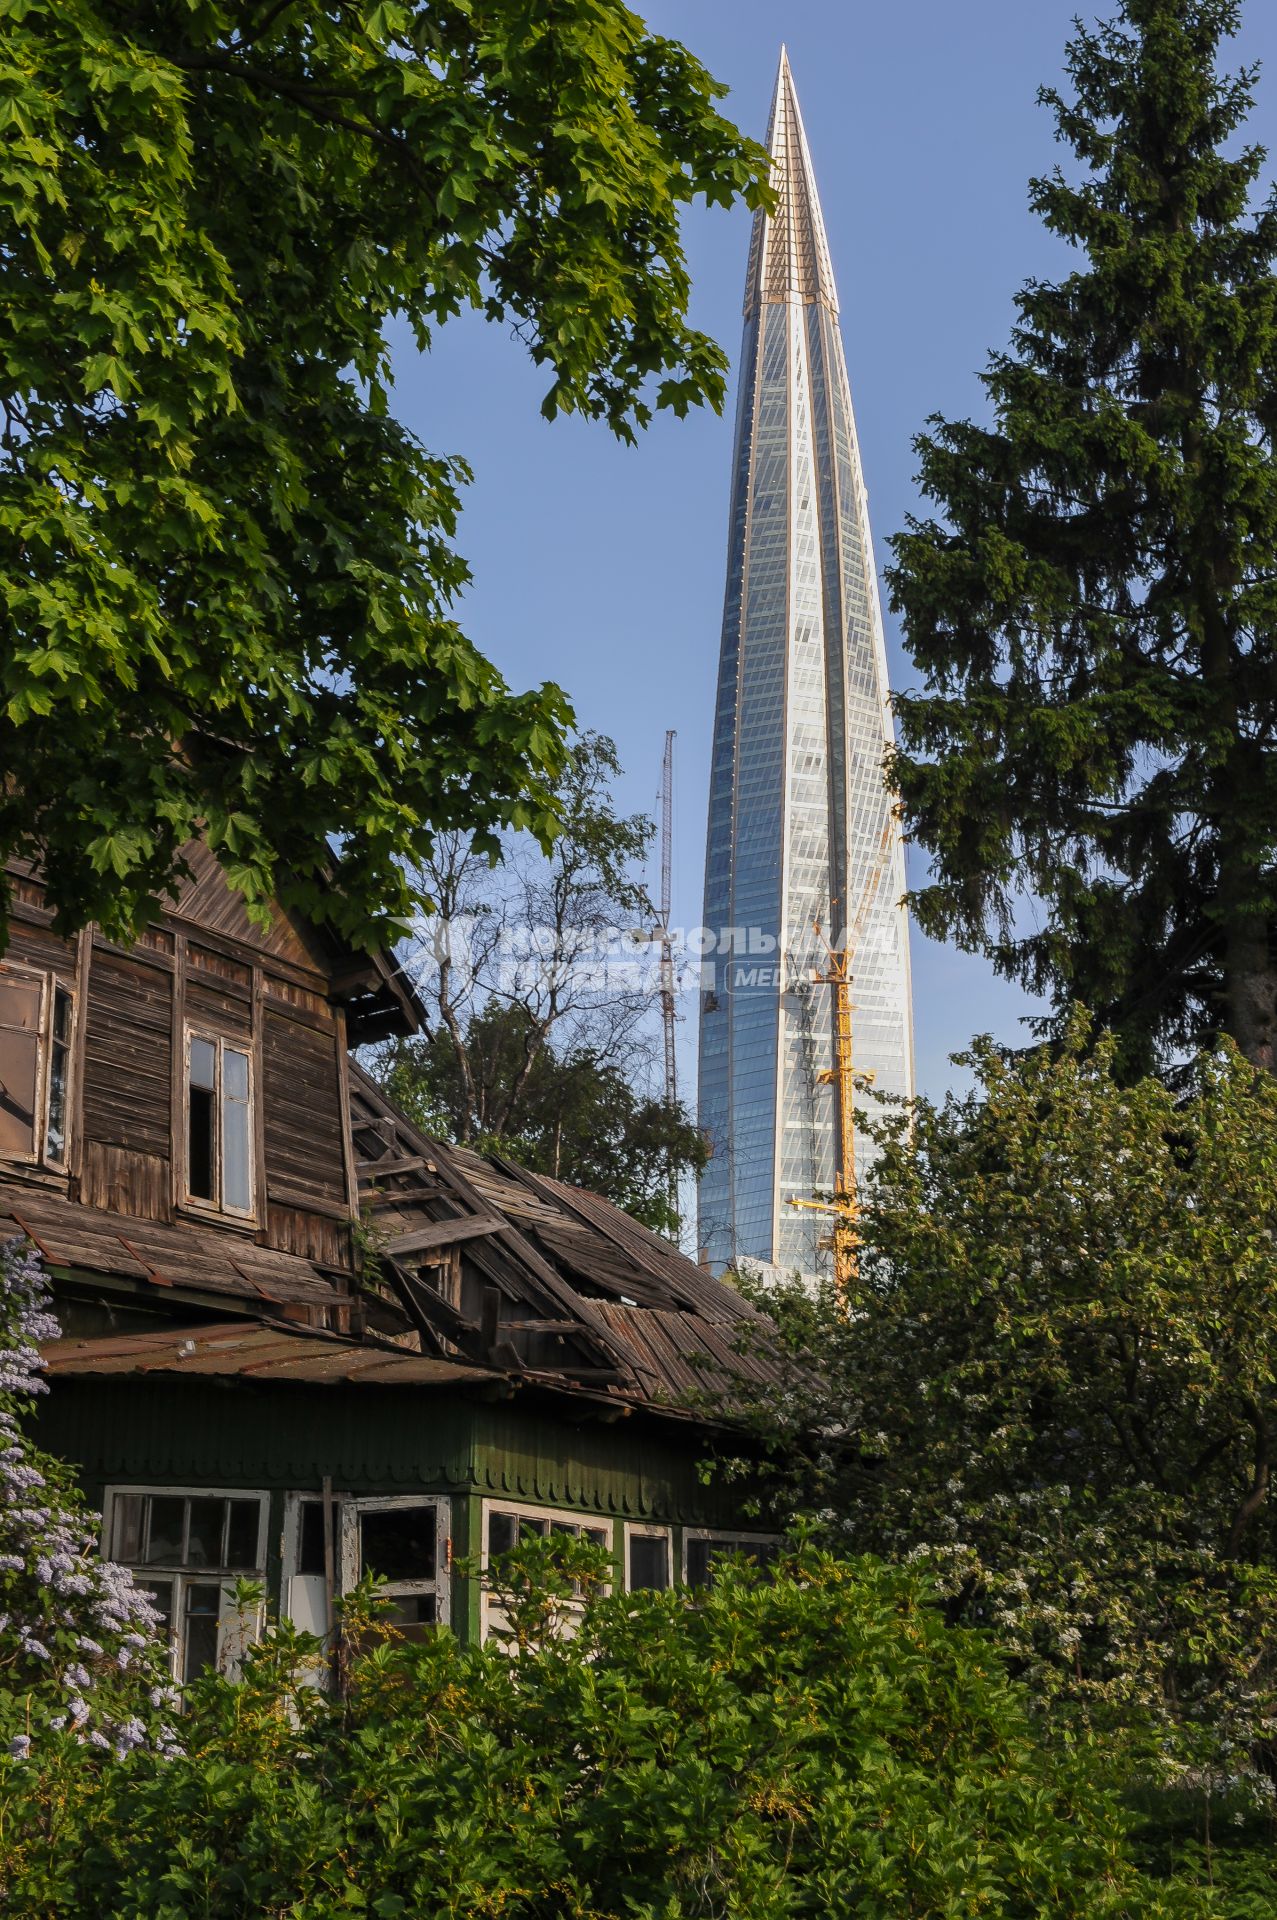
(310, 1544)
(399, 1543)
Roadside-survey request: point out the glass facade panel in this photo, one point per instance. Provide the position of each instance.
(801, 834)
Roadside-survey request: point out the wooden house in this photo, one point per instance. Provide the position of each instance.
(300, 1339)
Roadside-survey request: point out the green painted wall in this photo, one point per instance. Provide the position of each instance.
(378, 1440)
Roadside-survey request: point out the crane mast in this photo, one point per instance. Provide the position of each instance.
(667, 951)
(844, 1204)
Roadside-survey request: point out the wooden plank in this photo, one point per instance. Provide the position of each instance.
(442, 1233)
(79, 1033)
(387, 1169)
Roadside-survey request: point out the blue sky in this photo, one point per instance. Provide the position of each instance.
(601, 567)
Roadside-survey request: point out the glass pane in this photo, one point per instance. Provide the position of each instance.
(234, 1074)
(242, 1528)
(203, 1600)
(62, 1015)
(204, 1542)
(55, 1128)
(597, 1537)
(533, 1529)
(310, 1543)
(503, 1531)
(700, 1555)
(164, 1548)
(199, 1152)
(203, 1064)
(236, 1191)
(398, 1543)
(161, 1592)
(19, 1055)
(126, 1528)
(19, 1002)
(649, 1562)
(413, 1614)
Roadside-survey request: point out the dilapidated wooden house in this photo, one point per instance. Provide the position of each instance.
(302, 1341)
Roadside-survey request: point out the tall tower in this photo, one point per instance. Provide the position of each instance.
(800, 823)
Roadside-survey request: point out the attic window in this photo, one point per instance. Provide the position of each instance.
(36, 1013)
(219, 1124)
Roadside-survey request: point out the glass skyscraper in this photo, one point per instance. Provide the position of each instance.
(801, 830)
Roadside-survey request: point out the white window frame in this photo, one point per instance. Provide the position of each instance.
(218, 1204)
(50, 985)
(235, 1630)
(493, 1616)
(350, 1511)
(729, 1537)
(642, 1529)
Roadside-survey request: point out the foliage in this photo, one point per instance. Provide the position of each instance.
(226, 569)
(823, 1745)
(541, 1042)
(1055, 1385)
(80, 1664)
(1094, 612)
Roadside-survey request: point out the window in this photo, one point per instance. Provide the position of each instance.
(405, 1541)
(219, 1124)
(504, 1526)
(701, 1548)
(647, 1559)
(36, 1017)
(188, 1549)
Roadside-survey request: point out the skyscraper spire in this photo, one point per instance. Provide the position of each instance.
(789, 253)
(800, 822)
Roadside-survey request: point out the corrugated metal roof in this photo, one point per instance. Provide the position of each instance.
(255, 1350)
(204, 1258)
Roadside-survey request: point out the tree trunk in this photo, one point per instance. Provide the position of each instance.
(1250, 991)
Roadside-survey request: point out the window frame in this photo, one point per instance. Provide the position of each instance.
(220, 1042)
(234, 1633)
(51, 984)
(650, 1530)
(351, 1508)
(491, 1609)
(730, 1537)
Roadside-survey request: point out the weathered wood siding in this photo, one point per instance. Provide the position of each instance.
(305, 1158)
(128, 1074)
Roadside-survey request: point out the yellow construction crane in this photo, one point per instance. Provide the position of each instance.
(843, 1203)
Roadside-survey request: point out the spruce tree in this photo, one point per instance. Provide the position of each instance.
(1095, 613)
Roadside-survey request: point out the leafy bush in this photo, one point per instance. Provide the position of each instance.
(819, 1744)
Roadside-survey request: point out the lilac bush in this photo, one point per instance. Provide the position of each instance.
(80, 1656)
